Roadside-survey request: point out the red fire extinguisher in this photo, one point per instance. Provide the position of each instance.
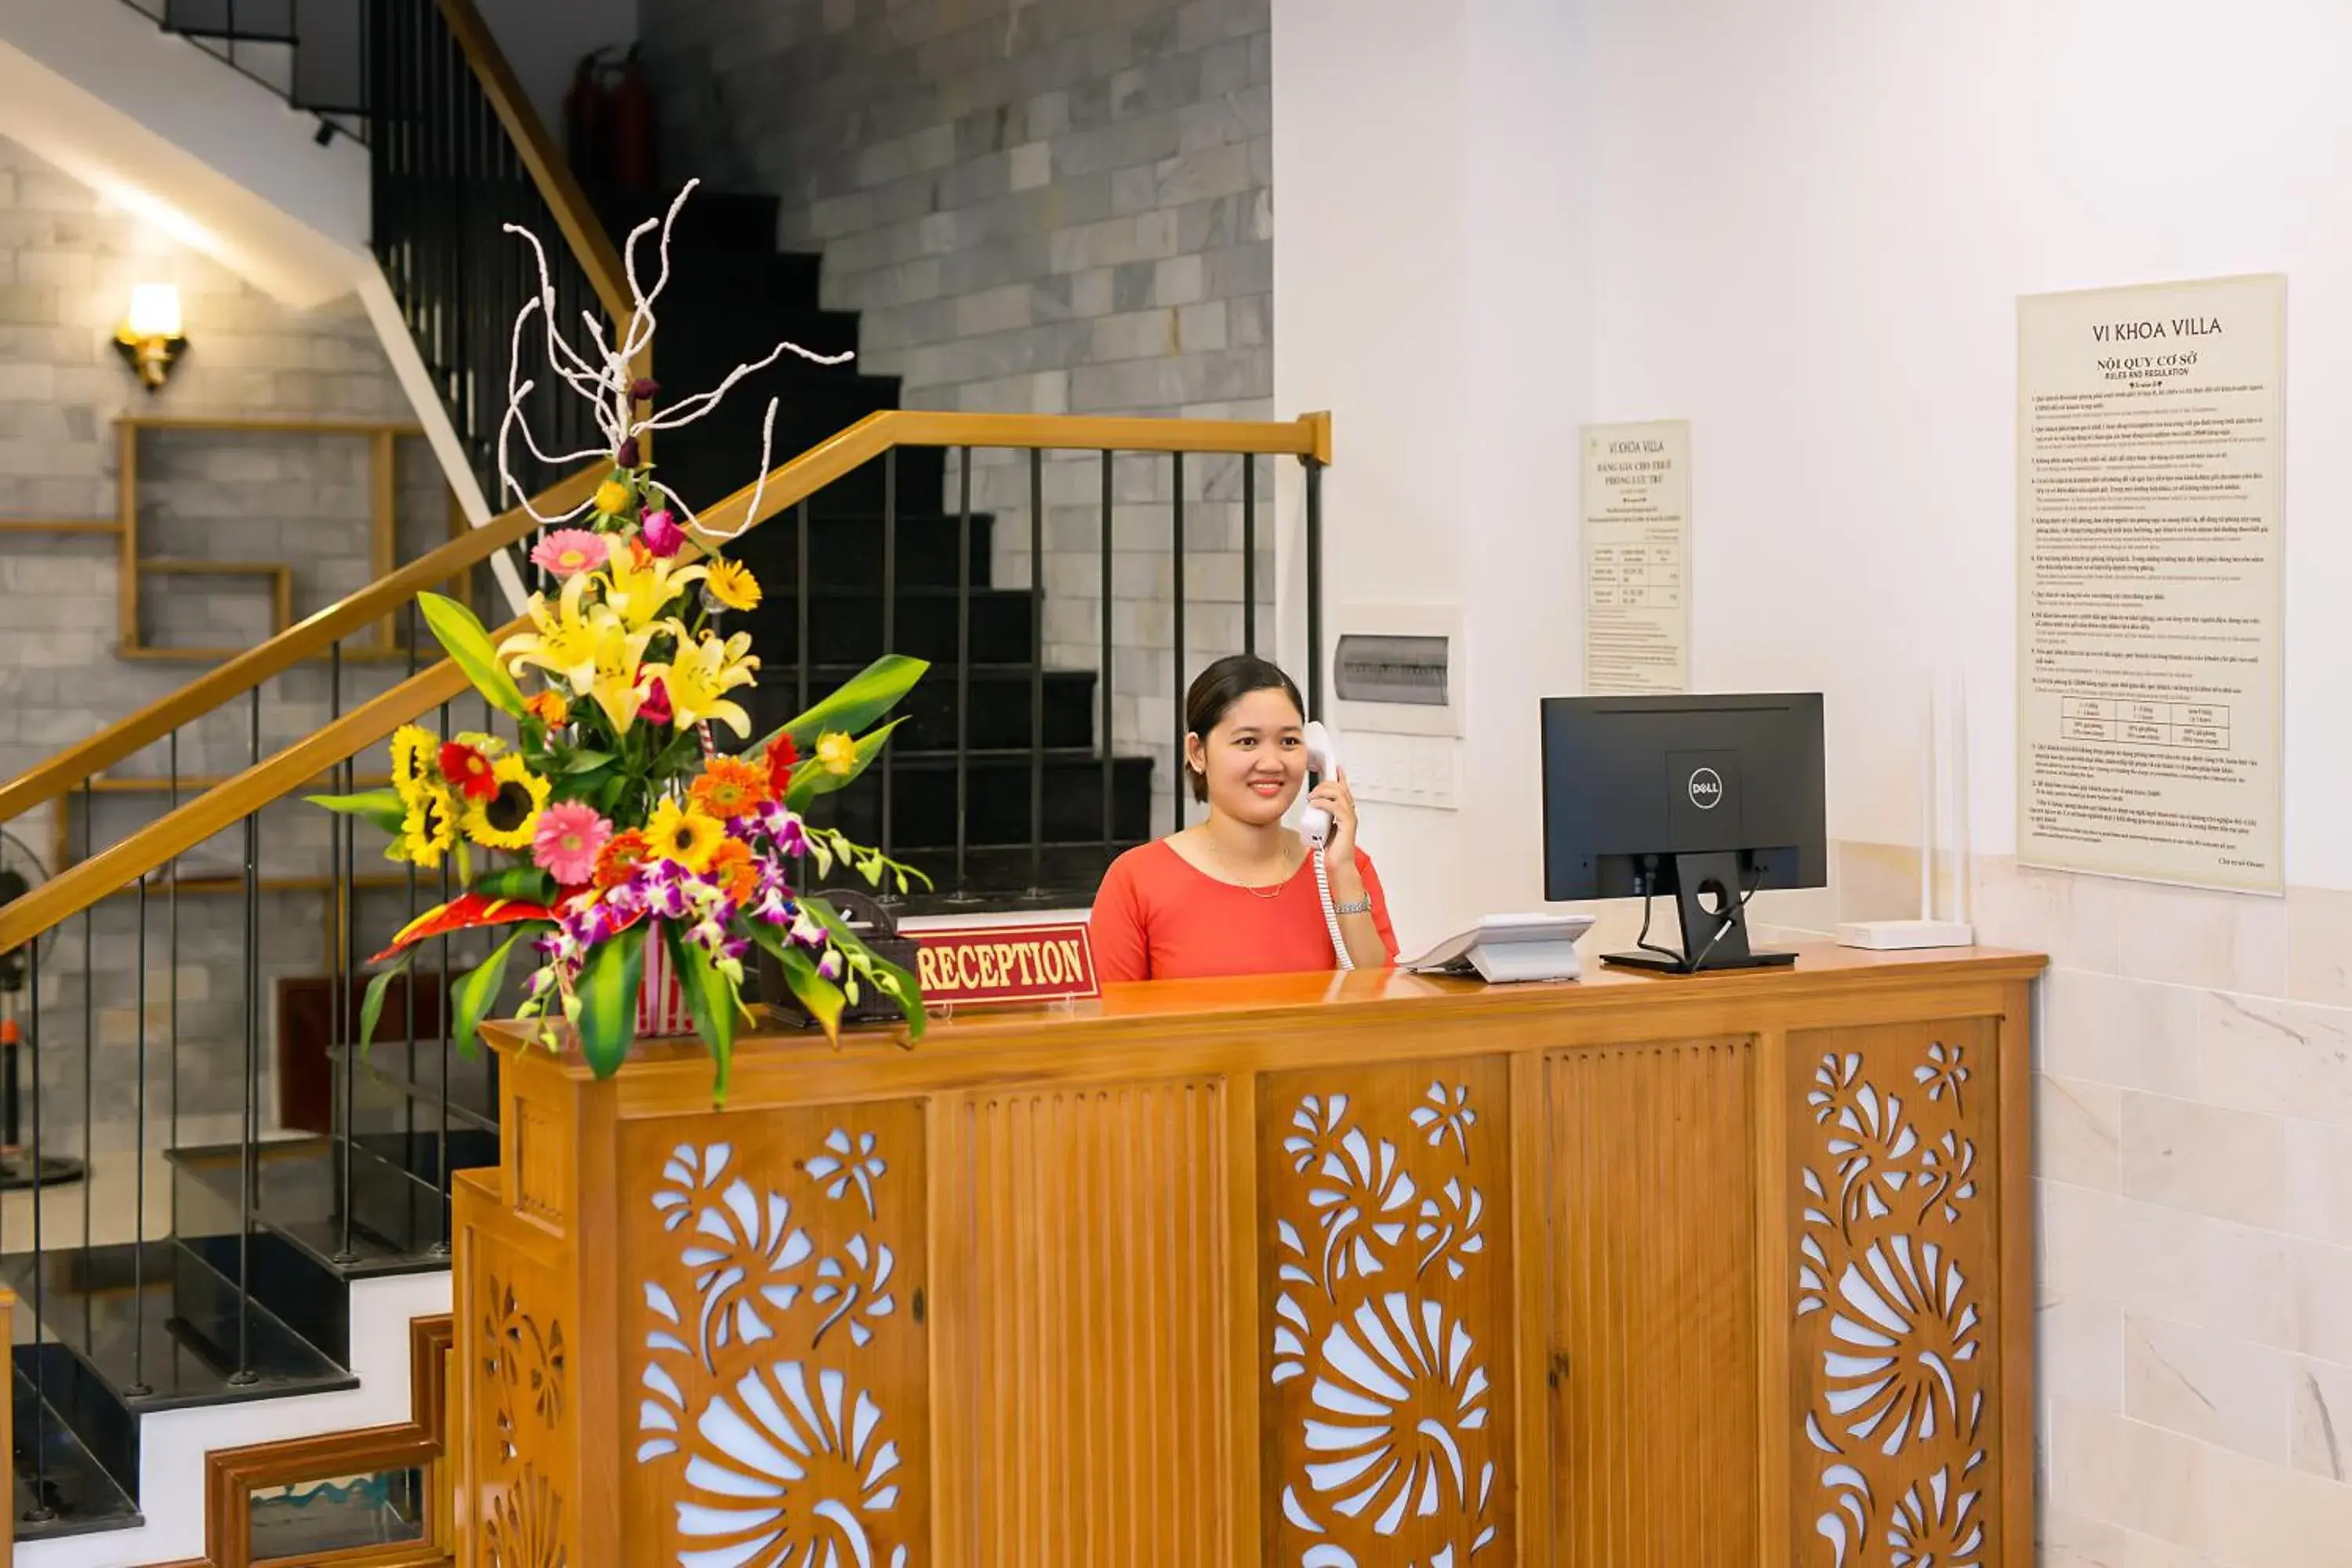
(630, 109)
(586, 129)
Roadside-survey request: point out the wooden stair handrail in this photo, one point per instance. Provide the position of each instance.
(583, 231)
(307, 639)
(84, 883)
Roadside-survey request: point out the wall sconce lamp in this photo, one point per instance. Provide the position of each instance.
(151, 339)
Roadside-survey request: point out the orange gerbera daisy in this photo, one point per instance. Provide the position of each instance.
(731, 868)
(619, 859)
(729, 787)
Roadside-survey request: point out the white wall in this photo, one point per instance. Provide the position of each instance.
(220, 161)
(543, 41)
(1803, 227)
(1810, 224)
(1434, 295)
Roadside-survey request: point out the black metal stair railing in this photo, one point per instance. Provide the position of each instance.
(312, 53)
(194, 1224)
(451, 165)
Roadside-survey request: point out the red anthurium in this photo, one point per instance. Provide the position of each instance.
(469, 911)
(467, 770)
(782, 755)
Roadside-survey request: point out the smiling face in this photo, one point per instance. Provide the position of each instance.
(1255, 758)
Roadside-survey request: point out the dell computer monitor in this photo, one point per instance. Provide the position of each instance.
(1705, 799)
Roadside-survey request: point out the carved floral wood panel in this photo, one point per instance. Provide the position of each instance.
(1386, 1310)
(522, 1381)
(774, 1388)
(1894, 1253)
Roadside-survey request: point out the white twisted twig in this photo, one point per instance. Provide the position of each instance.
(604, 377)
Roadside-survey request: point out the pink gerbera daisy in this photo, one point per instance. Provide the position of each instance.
(568, 552)
(570, 835)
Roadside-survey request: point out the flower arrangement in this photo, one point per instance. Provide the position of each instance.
(613, 823)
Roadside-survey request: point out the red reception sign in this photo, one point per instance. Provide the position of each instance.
(980, 964)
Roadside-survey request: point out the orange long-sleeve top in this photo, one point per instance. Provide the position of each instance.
(1158, 917)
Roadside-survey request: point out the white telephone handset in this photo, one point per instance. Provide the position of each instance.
(1323, 761)
(1315, 831)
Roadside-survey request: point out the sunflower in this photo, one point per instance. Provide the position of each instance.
(508, 817)
(729, 787)
(733, 867)
(413, 752)
(686, 835)
(619, 859)
(430, 828)
(732, 584)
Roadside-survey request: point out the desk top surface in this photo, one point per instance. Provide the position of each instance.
(1268, 999)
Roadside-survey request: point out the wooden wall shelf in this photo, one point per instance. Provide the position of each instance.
(1356, 1270)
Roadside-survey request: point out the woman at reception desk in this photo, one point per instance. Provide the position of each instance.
(1237, 892)
(1323, 1270)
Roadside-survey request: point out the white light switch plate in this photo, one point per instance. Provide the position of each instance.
(1401, 770)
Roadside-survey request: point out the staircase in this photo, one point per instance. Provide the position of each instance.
(1044, 808)
(252, 1270)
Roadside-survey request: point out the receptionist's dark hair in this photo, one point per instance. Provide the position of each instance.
(1215, 690)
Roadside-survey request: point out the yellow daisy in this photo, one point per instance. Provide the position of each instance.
(684, 835)
(732, 584)
(508, 820)
(429, 830)
(413, 750)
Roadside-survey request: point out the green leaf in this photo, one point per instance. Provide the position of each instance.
(820, 996)
(476, 993)
(855, 702)
(710, 998)
(608, 988)
(587, 762)
(809, 781)
(371, 1005)
(528, 884)
(381, 807)
(910, 994)
(461, 632)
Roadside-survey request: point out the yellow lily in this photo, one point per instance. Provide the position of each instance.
(612, 675)
(699, 677)
(638, 584)
(565, 642)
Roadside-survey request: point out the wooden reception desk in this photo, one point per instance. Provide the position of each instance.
(1333, 1272)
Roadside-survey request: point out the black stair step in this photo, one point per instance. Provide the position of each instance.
(997, 719)
(845, 627)
(704, 336)
(711, 221)
(996, 814)
(182, 1333)
(58, 1486)
(845, 551)
(396, 1220)
(708, 472)
(308, 1296)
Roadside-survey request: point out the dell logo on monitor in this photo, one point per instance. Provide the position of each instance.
(1706, 789)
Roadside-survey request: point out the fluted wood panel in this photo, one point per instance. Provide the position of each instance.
(1649, 1168)
(1098, 1348)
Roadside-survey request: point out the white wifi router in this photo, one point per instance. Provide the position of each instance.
(1929, 930)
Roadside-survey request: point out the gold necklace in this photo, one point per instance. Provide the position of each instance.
(1227, 865)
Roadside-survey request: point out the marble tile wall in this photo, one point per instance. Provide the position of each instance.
(2193, 1186)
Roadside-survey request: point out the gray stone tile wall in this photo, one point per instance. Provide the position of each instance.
(1055, 206)
(66, 266)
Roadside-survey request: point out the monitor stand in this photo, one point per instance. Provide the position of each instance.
(1705, 885)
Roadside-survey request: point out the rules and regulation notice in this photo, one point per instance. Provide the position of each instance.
(2151, 453)
(1637, 558)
